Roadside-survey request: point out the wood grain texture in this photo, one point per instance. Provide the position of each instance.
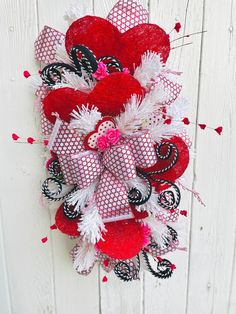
(24, 220)
(36, 278)
(213, 228)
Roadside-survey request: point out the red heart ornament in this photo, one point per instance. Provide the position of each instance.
(63, 101)
(123, 239)
(104, 39)
(98, 34)
(111, 93)
(90, 141)
(109, 96)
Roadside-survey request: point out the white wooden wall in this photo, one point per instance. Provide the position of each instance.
(36, 278)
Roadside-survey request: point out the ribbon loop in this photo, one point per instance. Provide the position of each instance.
(142, 149)
(86, 167)
(120, 161)
(46, 43)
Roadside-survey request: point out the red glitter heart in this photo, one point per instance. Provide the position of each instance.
(104, 39)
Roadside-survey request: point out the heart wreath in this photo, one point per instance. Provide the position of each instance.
(115, 119)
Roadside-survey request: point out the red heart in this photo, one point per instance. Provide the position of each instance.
(123, 239)
(186, 121)
(202, 126)
(30, 140)
(90, 141)
(63, 101)
(104, 39)
(219, 130)
(15, 137)
(109, 95)
(178, 169)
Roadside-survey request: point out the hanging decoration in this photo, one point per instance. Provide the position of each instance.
(114, 121)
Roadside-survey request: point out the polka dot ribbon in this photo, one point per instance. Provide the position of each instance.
(127, 14)
(117, 165)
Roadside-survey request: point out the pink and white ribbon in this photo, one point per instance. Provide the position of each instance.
(127, 14)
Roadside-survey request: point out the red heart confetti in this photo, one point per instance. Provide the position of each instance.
(172, 266)
(177, 27)
(202, 126)
(104, 279)
(44, 240)
(186, 121)
(219, 130)
(30, 140)
(15, 137)
(26, 74)
(167, 121)
(106, 262)
(53, 227)
(45, 142)
(184, 213)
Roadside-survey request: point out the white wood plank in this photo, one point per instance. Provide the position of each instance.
(53, 12)
(213, 228)
(24, 221)
(232, 293)
(5, 302)
(170, 295)
(116, 296)
(73, 292)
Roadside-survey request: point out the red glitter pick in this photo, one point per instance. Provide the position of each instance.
(30, 140)
(26, 74)
(44, 240)
(104, 279)
(219, 130)
(177, 27)
(159, 259)
(186, 121)
(184, 213)
(15, 137)
(202, 126)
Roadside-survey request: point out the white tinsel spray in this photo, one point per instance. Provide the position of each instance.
(85, 257)
(137, 183)
(81, 197)
(35, 82)
(159, 231)
(150, 67)
(61, 53)
(91, 225)
(152, 205)
(81, 83)
(74, 12)
(160, 130)
(85, 119)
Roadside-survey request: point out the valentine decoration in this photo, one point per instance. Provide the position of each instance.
(114, 121)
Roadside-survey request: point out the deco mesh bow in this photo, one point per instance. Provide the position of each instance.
(114, 117)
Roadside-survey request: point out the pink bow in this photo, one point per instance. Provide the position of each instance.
(112, 168)
(116, 166)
